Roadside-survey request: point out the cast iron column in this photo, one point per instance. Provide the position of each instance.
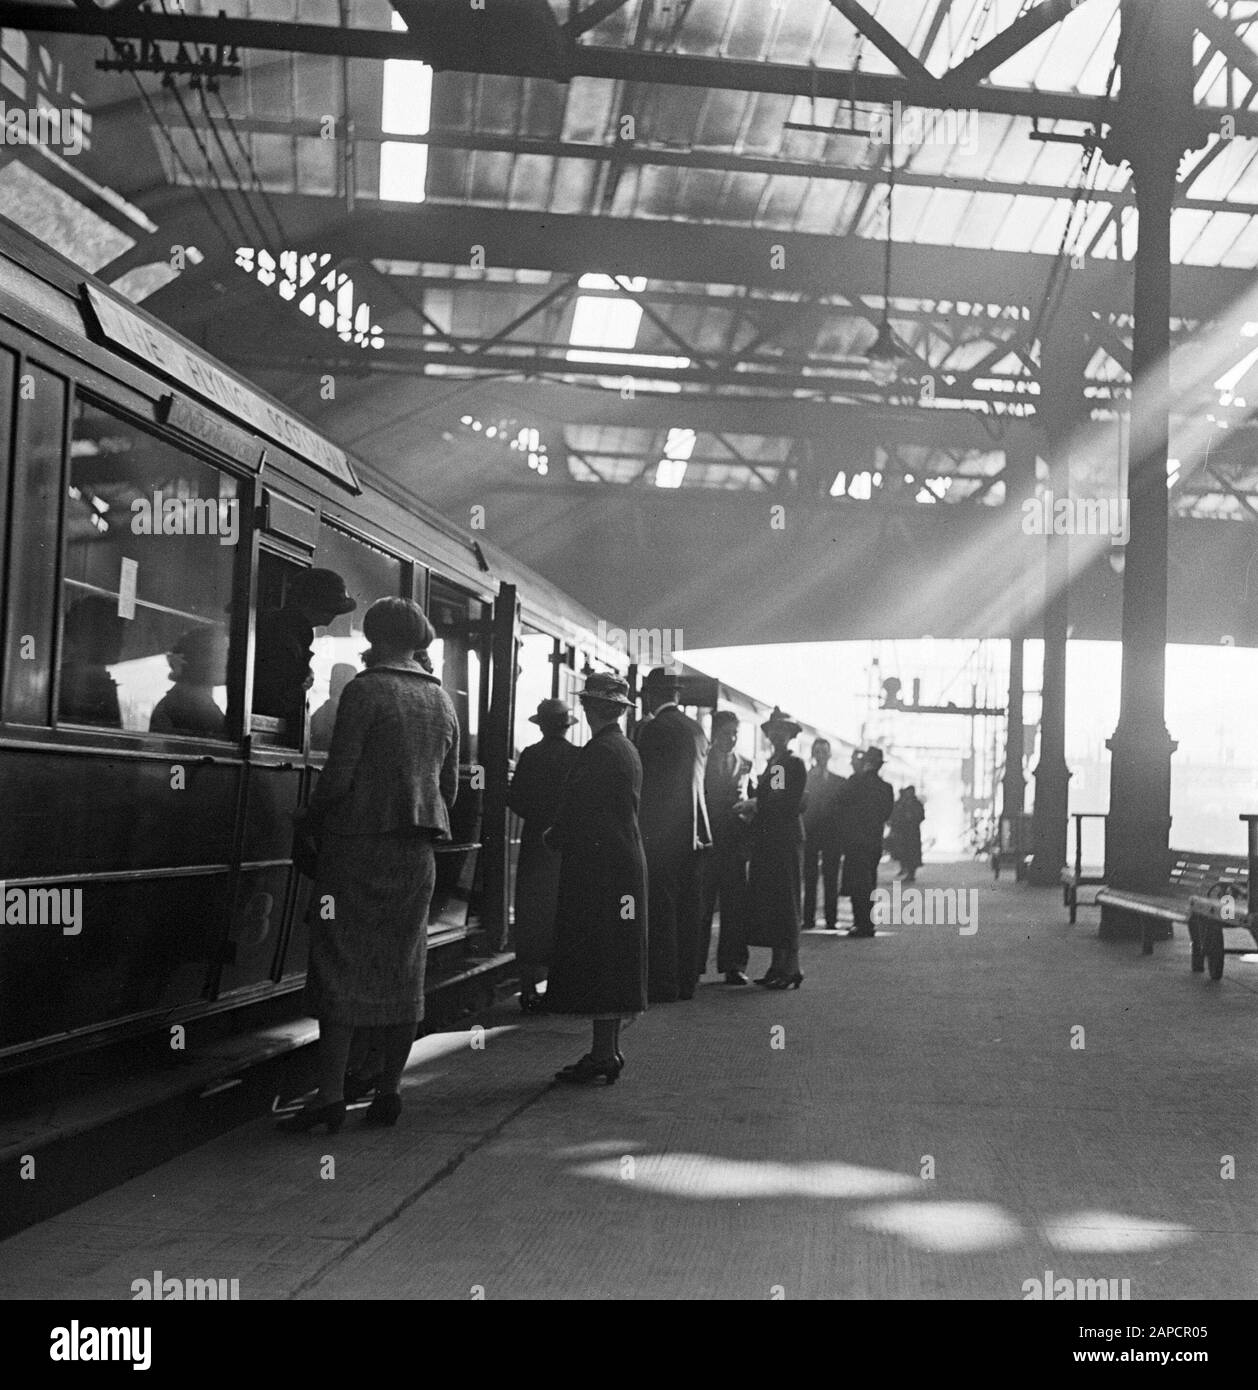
(1154, 129)
(1063, 410)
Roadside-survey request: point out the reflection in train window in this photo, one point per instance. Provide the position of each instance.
(31, 591)
(150, 553)
(368, 574)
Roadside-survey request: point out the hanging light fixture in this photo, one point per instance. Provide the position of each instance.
(884, 357)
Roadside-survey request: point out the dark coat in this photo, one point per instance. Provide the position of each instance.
(777, 849)
(598, 965)
(722, 790)
(673, 749)
(820, 820)
(285, 649)
(905, 839)
(536, 794)
(864, 804)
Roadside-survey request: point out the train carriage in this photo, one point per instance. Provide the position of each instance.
(152, 505)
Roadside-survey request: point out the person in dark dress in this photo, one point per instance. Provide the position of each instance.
(198, 663)
(382, 801)
(599, 963)
(285, 643)
(905, 838)
(777, 849)
(725, 872)
(821, 837)
(864, 804)
(673, 749)
(535, 795)
(92, 642)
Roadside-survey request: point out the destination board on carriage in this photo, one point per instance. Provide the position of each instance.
(178, 361)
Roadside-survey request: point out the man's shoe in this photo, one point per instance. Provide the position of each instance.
(736, 977)
(853, 931)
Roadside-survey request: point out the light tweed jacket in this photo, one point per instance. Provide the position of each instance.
(394, 760)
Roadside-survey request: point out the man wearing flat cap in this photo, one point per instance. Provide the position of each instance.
(864, 804)
(674, 821)
(536, 794)
(285, 643)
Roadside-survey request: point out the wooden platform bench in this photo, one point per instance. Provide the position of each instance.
(1226, 905)
(1075, 876)
(1192, 875)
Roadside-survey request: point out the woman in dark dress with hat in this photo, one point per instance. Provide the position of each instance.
(598, 966)
(382, 802)
(777, 849)
(535, 795)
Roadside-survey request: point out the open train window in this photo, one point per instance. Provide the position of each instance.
(460, 658)
(150, 557)
(369, 573)
(535, 681)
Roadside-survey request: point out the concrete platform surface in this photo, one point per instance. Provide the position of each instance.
(934, 1115)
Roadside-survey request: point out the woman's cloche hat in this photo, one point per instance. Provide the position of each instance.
(321, 588)
(612, 690)
(778, 720)
(552, 712)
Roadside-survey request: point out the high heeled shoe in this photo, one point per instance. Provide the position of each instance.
(573, 1066)
(587, 1071)
(332, 1114)
(383, 1112)
(767, 980)
(786, 981)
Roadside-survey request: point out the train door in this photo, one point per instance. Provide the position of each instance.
(461, 657)
(364, 572)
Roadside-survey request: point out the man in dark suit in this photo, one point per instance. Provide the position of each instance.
(725, 866)
(864, 804)
(821, 837)
(674, 820)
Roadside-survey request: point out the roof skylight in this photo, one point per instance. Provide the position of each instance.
(405, 109)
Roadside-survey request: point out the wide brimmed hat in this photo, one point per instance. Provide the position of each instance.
(612, 690)
(661, 678)
(322, 589)
(778, 720)
(551, 712)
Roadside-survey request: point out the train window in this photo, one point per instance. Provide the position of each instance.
(369, 574)
(460, 657)
(535, 675)
(41, 414)
(150, 555)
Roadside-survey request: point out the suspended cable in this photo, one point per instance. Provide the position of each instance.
(254, 175)
(246, 235)
(179, 159)
(227, 160)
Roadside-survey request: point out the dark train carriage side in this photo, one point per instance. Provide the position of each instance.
(152, 504)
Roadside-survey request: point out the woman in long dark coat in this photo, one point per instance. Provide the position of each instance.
(775, 879)
(535, 795)
(905, 838)
(382, 800)
(598, 968)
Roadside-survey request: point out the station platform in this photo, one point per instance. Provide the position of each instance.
(934, 1115)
